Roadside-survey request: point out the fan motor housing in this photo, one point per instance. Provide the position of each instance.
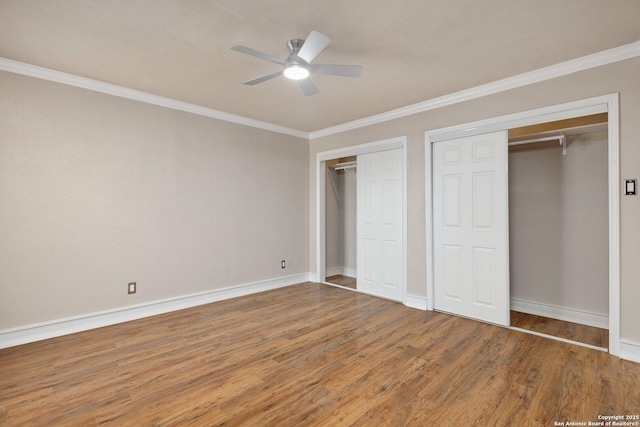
(294, 45)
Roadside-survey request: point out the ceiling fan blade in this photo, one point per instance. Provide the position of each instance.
(263, 78)
(308, 87)
(313, 45)
(252, 52)
(337, 70)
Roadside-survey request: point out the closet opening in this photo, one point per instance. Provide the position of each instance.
(559, 229)
(361, 211)
(490, 138)
(340, 222)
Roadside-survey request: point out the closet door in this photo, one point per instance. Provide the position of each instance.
(379, 225)
(470, 227)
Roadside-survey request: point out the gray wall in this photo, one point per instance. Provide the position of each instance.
(558, 222)
(621, 77)
(97, 191)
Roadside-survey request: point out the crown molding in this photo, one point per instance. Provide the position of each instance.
(598, 59)
(25, 69)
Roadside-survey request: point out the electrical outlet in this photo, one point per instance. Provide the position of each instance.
(131, 288)
(283, 264)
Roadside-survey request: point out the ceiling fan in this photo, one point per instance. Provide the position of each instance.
(298, 65)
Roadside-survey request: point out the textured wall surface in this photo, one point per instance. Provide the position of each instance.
(98, 191)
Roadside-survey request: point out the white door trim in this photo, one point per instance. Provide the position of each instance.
(371, 147)
(600, 104)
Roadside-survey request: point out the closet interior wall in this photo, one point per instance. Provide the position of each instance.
(558, 224)
(340, 220)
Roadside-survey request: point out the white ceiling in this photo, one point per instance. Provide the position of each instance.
(411, 51)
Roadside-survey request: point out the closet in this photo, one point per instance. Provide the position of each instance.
(364, 212)
(558, 229)
(340, 221)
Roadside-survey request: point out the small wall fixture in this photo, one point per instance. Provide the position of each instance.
(630, 187)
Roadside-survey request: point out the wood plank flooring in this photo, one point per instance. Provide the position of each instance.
(309, 355)
(339, 279)
(558, 328)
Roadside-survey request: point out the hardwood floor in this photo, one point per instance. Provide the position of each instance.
(346, 281)
(309, 355)
(558, 328)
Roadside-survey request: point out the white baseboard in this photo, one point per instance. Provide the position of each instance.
(415, 301)
(629, 350)
(343, 271)
(561, 313)
(56, 328)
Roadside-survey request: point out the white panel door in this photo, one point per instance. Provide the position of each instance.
(471, 227)
(379, 227)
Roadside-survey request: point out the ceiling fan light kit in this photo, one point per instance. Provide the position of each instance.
(298, 66)
(296, 72)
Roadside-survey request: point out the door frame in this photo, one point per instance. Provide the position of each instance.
(354, 150)
(602, 104)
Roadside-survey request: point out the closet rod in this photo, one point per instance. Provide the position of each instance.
(345, 166)
(529, 141)
(561, 138)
